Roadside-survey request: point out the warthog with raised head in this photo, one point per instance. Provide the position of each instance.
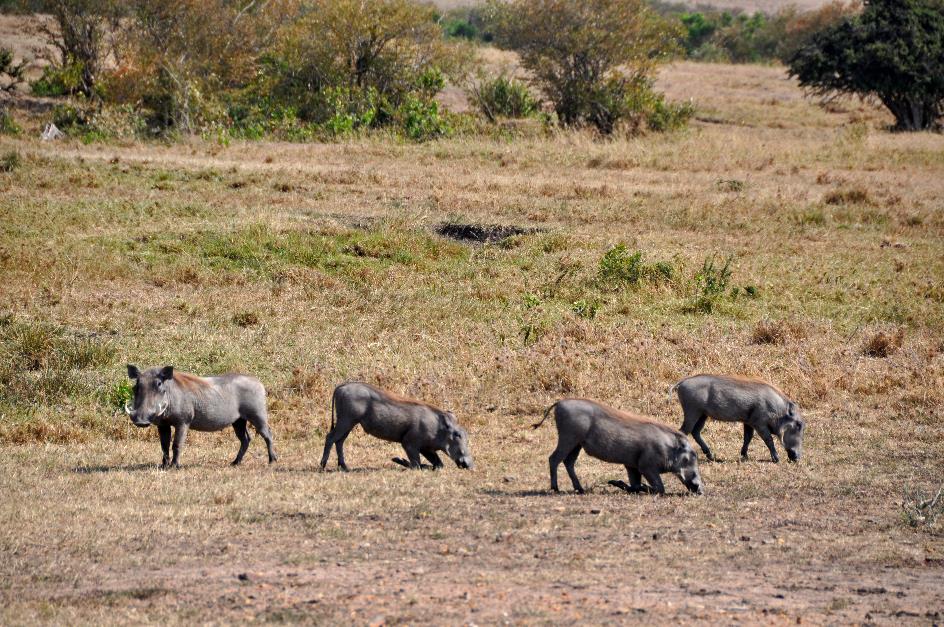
(759, 405)
(421, 428)
(645, 447)
(182, 401)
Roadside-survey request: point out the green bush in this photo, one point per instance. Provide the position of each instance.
(586, 56)
(619, 267)
(502, 96)
(59, 81)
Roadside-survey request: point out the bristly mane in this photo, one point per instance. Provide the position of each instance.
(405, 399)
(191, 382)
(751, 380)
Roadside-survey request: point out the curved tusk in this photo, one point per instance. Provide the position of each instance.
(162, 409)
(127, 409)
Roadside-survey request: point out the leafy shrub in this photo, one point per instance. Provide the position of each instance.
(893, 51)
(711, 284)
(57, 81)
(620, 267)
(502, 96)
(586, 55)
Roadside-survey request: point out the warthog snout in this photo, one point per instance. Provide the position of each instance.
(465, 463)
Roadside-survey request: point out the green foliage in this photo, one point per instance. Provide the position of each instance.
(502, 97)
(466, 23)
(587, 56)
(57, 81)
(712, 285)
(119, 394)
(736, 37)
(893, 51)
(619, 267)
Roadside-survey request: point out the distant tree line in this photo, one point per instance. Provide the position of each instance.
(298, 69)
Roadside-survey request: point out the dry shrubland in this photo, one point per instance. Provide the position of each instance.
(309, 264)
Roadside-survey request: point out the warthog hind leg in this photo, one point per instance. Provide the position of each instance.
(242, 433)
(696, 433)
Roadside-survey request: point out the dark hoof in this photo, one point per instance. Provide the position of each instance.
(273, 459)
(235, 462)
(344, 468)
(401, 461)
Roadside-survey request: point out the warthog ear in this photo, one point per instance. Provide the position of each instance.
(167, 372)
(132, 371)
(793, 410)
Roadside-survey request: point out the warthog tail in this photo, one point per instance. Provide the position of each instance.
(672, 388)
(334, 395)
(546, 412)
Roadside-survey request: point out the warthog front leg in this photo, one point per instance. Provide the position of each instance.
(768, 439)
(413, 454)
(180, 436)
(433, 459)
(635, 482)
(406, 463)
(655, 481)
(164, 432)
(748, 436)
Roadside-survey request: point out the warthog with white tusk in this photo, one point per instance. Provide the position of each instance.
(759, 405)
(179, 400)
(421, 428)
(645, 447)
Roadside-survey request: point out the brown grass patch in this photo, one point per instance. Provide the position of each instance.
(883, 343)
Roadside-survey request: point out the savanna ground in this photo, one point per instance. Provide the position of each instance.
(311, 264)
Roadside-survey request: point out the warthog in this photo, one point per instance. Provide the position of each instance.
(759, 405)
(166, 399)
(421, 428)
(645, 447)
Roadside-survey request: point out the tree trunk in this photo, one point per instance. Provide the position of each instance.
(913, 114)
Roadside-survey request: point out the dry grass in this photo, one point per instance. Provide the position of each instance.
(310, 264)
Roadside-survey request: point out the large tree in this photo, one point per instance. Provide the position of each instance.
(893, 51)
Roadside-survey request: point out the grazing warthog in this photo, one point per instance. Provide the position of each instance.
(166, 399)
(421, 428)
(645, 447)
(759, 405)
